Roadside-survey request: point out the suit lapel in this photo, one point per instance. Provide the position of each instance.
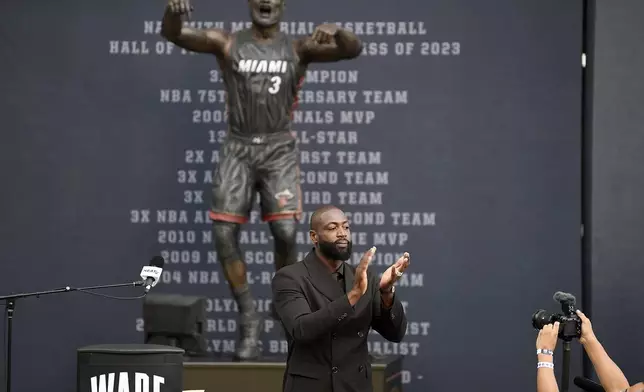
(322, 279)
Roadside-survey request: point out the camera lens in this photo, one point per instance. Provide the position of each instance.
(540, 318)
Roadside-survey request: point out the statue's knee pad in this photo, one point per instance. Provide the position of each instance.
(284, 231)
(226, 236)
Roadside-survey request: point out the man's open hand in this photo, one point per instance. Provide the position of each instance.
(395, 272)
(361, 281)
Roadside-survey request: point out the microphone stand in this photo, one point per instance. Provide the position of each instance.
(11, 306)
(565, 370)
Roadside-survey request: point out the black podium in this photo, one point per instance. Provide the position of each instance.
(144, 367)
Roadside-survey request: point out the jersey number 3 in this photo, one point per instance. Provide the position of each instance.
(276, 82)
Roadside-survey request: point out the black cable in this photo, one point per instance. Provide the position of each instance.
(109, 296)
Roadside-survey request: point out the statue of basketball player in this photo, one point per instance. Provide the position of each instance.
(263, 69)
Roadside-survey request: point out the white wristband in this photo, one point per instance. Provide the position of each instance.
(545, 351)
(545, 365)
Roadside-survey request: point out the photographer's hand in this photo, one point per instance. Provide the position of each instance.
(587, 333)
(639, 387)
(610, 375)
(546, 343)
(547, 338)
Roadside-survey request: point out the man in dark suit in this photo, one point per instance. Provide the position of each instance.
(327, 309)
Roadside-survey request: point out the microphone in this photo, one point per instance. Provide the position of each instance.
(151, 273)
(588, 385)
(560, 296)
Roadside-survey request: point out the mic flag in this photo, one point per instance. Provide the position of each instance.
(151, 273)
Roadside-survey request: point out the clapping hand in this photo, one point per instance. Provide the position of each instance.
(393, 273)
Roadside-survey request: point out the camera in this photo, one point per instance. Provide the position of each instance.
(569, 322)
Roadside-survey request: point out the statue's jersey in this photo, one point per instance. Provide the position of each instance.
(262, 81)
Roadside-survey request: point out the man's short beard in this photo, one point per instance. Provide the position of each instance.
(330, 250)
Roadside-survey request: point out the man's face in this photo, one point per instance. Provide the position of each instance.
(266, 13)
(333, 237)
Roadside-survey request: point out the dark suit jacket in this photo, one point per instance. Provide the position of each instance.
(328, 337)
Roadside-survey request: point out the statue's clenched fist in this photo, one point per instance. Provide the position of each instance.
(180, 7)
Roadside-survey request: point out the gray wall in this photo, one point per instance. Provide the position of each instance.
(618, 183)
(486, 145)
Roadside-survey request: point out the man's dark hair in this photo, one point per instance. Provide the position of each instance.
(315, 217)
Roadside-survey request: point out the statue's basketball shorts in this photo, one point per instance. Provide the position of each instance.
(264, 164)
